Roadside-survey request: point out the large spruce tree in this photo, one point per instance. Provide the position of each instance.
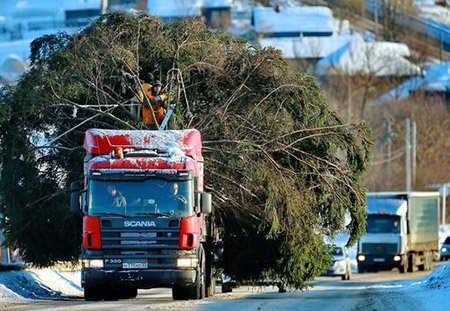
(283, 167)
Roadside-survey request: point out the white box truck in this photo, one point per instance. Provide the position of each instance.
(401, 231)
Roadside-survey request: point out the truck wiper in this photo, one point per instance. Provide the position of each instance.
(113, 214)
(153, 214)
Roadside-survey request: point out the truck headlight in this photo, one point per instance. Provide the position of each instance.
(444, 249)
(397, 258)
(187, 262)
(92, 263)
(361, 257)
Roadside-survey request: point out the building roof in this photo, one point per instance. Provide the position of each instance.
(299, 19)
(210, 4)
(435, 79)
(309, 47)
(369, 58)
(174, 8)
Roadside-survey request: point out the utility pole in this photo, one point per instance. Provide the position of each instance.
(414, 151)
(408, 154)
(444, 205)
(104, 7)
(388, 136)
(375, 12)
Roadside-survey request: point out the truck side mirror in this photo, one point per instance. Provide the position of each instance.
(75, 206)
(206, 202)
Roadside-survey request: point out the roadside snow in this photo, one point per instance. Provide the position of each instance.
(433, 291)
(26, 285)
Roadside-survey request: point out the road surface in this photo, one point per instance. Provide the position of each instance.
(369, 291)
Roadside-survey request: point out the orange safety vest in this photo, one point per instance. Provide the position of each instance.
(159, 111)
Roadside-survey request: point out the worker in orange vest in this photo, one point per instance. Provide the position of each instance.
(158, 104)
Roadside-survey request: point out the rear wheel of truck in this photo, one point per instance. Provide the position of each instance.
(404, 266)
(93, 293)
(210, 279)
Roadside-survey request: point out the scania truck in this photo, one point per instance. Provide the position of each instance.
(401, 232)
(147, 221)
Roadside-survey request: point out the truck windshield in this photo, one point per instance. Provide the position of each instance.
(383, 224)
(140, 198)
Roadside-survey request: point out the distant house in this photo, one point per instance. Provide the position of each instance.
(31, 19)
(369, 58)
(305, 34)
(217, 14)
(435, 82)
(305, 21)
(309, 48)
(170, 11)
(78, 13)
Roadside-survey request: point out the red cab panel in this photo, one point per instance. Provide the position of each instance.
(91, 232)
(190, 232)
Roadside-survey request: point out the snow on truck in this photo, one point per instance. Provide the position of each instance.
(401, 231)
(147, 221)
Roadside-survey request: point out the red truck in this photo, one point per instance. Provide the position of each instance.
(147, 221)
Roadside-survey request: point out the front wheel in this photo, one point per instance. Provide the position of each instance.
(196, 291)
(93, 293)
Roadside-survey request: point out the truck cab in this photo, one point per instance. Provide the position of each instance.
(147, 221)
(383, 245)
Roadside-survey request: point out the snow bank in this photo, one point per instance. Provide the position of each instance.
(26, 285)
(433, 290)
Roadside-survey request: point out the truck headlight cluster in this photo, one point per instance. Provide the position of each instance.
(444, 250)
(92, 263)
(187, 262)
(361, 257)
(397, 258)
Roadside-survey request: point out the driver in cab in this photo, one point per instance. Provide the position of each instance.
(116, 198)
(177, 199)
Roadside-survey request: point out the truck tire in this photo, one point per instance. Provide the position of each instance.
(404, 266)
(412, 267)
(128, 293)
(180, 293)
(210, 279)
(226, 288)
(93, 293)
(197, 291)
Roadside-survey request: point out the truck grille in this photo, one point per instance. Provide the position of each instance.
(379, 248)
(140, 248)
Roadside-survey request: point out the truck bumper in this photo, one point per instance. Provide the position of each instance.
(379, 262)
(137, 278)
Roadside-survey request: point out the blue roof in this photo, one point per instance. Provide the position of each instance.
(174, 8)
(386, 205)
(300, 19)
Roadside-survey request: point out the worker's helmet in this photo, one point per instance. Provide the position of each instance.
(156, 83)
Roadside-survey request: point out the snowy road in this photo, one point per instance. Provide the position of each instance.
(370, 291)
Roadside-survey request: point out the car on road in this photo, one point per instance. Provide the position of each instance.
(341, 263)
(445, 249)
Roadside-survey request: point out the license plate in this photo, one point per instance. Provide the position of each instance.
(378, 259)
(135, 265)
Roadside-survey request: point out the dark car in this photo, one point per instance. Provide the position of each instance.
(445, 249)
